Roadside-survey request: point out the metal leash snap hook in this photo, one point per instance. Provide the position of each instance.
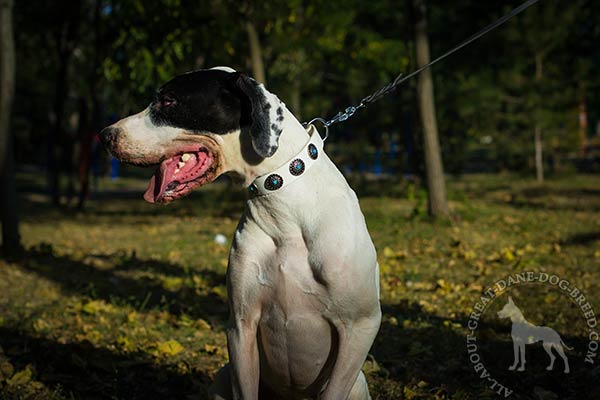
(322, 121)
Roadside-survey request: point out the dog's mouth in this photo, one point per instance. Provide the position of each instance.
(178, 175)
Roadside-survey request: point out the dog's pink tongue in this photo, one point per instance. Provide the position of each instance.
(159, 181)
(150, 195)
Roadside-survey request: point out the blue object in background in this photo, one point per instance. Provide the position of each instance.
(392, 156)
(362, 166)
(114, 168)
(377, 167)
(408, 144)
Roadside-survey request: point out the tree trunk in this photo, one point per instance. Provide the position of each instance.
(537, 134)
(66, 38)
(91, 123)
(11, 242)
(258, 68)
(436, 186)
(55, 139)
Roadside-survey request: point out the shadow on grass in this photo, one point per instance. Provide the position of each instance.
(427, 349)
(556, 199)
(218, 203)
(86, 372)
(426, 354)
(581, 239)
(534, 192)
(140, 292)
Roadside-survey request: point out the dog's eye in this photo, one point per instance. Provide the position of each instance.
(167, 101)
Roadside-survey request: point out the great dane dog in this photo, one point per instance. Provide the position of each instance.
(303, 278)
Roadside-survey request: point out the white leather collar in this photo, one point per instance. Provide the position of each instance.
(292, 170)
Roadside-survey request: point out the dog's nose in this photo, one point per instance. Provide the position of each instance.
(109, 135)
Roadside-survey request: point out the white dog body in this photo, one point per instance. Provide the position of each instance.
(303, 279)
(303, 282)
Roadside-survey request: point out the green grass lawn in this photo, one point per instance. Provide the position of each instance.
(127, 300)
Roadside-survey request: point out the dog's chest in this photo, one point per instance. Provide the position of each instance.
(289, 280)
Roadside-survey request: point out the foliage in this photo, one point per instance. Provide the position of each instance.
(320, 57)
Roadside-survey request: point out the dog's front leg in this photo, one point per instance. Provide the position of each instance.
(516, 356)
(243, 358)
(355, 339)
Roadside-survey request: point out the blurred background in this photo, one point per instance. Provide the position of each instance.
(518, 123)
(82, 65)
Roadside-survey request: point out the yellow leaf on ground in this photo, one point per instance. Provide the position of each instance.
(508, 254)
(172, 283)
(94, 306)
(389, 253)
(132, 317)
(202, 324)
(40, 325)
(169, 348)
(409, 394)
(212, 349)
(20, 378)
(6, 370)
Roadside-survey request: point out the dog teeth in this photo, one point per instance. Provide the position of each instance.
(185, 157)
(176, 171)
(180, 164)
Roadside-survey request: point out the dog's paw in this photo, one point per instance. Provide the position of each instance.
(512, 367)
(521, 368)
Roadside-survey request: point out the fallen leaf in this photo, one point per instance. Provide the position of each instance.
(20, 378)
(94, 307)
(202, 324)
(169, 348)
(212, 349)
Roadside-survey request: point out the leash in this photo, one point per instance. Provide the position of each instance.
(401, 78)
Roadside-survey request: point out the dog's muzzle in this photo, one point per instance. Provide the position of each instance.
(108, 136)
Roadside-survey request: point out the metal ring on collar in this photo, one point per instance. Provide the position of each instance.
(322, 121)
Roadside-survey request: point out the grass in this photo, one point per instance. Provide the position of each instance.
(127, 300)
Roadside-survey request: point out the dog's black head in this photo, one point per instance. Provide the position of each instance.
(185, 125)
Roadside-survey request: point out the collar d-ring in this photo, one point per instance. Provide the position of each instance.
(323, 122)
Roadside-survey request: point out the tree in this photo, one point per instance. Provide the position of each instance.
(436, 186)
(8, 200)
(544, 37)
(258, 67)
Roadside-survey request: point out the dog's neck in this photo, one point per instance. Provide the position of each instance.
(293, 138)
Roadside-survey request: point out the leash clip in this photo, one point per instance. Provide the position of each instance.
(348, 112)
(340, 117)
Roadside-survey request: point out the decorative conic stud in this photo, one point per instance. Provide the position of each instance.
(273, 182)
(312, 151)
(297, 167)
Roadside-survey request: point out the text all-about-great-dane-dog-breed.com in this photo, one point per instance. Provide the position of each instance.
(303, 278)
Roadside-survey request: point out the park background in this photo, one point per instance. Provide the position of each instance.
(104, 296)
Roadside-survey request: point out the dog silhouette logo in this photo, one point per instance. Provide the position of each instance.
(524, 332)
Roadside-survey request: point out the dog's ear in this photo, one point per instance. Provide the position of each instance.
(256, 110)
